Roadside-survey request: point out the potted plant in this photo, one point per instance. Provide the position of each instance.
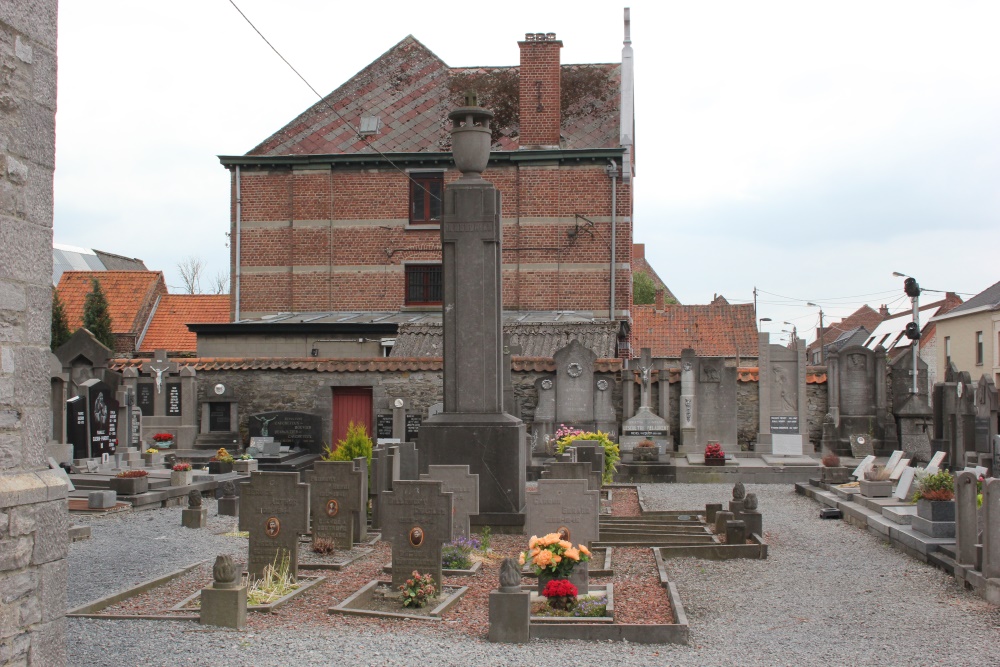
(611, 450)
(246, 464)
(418, 590)
(221, 463)
(163, 440)
(714, 455)
(553, 557)
(876, 483)
(152, 457)
(833, 472)
(181, 474)
(646, 450)
(935, 496)
(130, 482)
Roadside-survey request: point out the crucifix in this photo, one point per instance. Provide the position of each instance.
(158, 367)
(263, 424)
(645, 370)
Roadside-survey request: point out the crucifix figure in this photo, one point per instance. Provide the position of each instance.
(158, 367)
(263, 424)
(645, 370)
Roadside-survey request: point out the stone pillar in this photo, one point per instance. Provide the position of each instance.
(663, 384)
(628, 391)
(991, 528)
(966, 528)
(689, 429)
(32, 497)
(399, 406)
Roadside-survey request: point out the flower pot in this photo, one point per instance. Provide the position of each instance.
(870, 489)
(152, 460)
(219, 467)
(181, 477)
(715, 462)
(245, 466)
(129, 486)
(577, 576)
(166, 444)
(836, 474)
(936, 510)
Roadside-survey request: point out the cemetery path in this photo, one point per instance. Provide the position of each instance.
(828, 592)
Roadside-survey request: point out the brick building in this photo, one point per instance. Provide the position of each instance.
(340, 209)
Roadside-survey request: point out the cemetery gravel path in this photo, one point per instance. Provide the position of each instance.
(828, 594)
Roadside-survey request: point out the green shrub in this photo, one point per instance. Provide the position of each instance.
(938, 486)
(356, 444)
(611, 452)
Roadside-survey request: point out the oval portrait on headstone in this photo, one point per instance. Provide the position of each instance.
(416, 536)
(563, 533)
(272, 527)
(332, 507)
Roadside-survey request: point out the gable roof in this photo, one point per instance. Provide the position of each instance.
(130, 295)
(988, 299)
(168, 327)
(412, 91)
(865, 316)
(717, 330)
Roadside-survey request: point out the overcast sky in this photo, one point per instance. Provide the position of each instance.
(807, 149)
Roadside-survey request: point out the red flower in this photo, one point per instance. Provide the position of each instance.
(559, 588)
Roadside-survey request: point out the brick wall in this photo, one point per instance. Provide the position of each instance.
(338, 239)
(540, 103)
(33, 511)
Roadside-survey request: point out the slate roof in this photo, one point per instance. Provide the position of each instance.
(168, 328)
(988, 299)
(410, 89)
(130, 295)
(113, 262)
(719, 329)
(537, 339)
(865, 316)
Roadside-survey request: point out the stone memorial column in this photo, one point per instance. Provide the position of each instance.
(473, 429)
(689, 430)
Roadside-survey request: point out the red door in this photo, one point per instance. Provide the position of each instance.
(351, 404)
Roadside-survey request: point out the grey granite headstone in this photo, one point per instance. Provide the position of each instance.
(569, 507)
(407, 457)
(464, 488)
(575, 383)
(275, 510)
(783, 409)
(361, 516)
(380, 483)
(736, 532)
(334, 493)
(991, 528)
(568, 470)
(593, 454)
(966, 529)
(417, 521)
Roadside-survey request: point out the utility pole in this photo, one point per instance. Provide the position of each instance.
(822, 348)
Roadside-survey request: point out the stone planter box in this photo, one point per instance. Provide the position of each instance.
(871, 489)
(181, 477)
(836, 475)
(245, 467)
(646, 454)
(129, 486)
(219, 467)
(936, 510)
(152, 460)
(715, 462)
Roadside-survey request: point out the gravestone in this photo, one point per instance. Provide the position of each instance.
(708, 403)
(594, 455)
(935, 463)
(987, 421)
(299, 430)
(543, 427)
(383, 426)
(574, 385)
(736, 532)
(783, 408)
(83, 358)
(399, 406)
(361, 516)
(645, 425)
(857, 397)
(406, 458)
(898, 470)
(966, 524)
(894, 460)
(902, 491)
(991, 528)
(76, 427)
(571, 470)
(167, 396)
(417, 521)
(334, 493)
(274, 508)
(102, 417)
(380, 483)
(568, 507)
(412, 432)
(865, 466)
(464, 488)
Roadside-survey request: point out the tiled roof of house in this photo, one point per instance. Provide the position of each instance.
(412, 91)
(536, 339)
(640, 265)
(168, 328)
(717, 330)
(130, 294)
(865, 316)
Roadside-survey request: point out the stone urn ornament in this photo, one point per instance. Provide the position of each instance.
(471, 138)
(224, 573)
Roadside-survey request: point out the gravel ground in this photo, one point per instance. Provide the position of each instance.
(828, 593)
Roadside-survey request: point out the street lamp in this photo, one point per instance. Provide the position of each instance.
(822, 350)
(795, 331)
(912, 289)
(760, 325)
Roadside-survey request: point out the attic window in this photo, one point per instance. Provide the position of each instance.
(370, 125)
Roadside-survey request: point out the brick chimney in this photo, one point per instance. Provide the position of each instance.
(540, 101)
(638, 251)
(883, 310)
(659, 300)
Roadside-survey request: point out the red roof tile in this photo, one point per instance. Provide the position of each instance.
(716, 330)
(168, 330)
(130, 295)
(865, 316)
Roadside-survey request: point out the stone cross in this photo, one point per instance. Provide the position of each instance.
(465, 490)
(274, 508)
(334, 500)
(158, 367)
(416, 519)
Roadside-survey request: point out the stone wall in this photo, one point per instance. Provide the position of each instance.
(33, 511)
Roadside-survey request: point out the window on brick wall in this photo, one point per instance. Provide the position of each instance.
(424, 284)
(426, 193)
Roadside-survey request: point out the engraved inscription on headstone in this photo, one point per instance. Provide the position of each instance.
(412, 427)
(383, 426)
(173, 399)
(274, 508)
(334, 488)
(784, 424)
(145, 398)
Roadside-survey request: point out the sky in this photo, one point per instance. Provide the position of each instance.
(804, 149)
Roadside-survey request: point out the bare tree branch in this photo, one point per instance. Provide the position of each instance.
(220, 283)
(191, 269)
